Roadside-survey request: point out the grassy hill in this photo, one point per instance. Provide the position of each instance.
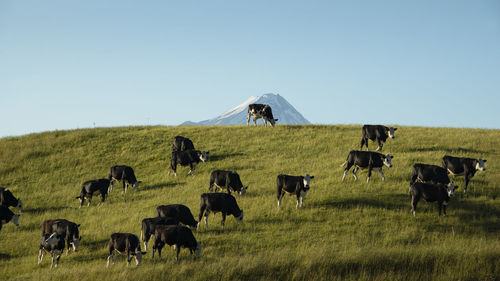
(346, 230)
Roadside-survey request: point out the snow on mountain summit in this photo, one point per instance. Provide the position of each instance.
(282, 110)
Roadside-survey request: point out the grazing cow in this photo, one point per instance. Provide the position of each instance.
(125, 244)
(376, 132)
(7, 215)
(178, 236)
(428, 174)
(227, 179)
(179, 212)
(52, 243)
(181, 143)
(7, 199)
(65, 228)
(125, 174)
(150, 224)
(367, 160)
(184, 158)
(461, 166)
(431, 193)
(298, 185)
(91, 187)
(219, 202)
(258, 111)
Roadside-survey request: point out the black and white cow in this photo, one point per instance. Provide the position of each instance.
(52, 243)
(432, 193)
(178, 236)
(179, 212)
(125, 174)
(229, 180)
(6, 215)
(376, 132)
(91, 187)
(219, 202)
(181, 143)
(8, 199)
(65, 228)
(461, 166)
(264, 111)
(188, 157)
(150, 224)
(366, 160)
(298, 185)
(427, 173)
(125, 244)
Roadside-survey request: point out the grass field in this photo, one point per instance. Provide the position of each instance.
(346, 230)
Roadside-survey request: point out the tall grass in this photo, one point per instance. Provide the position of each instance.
(346, 230)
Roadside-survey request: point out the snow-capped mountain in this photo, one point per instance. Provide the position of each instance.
(282, 110)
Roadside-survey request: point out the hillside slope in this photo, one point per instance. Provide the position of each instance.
(346, 230)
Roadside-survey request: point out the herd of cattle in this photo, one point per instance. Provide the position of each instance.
(174, 224)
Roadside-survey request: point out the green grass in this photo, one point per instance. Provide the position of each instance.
(346, 230)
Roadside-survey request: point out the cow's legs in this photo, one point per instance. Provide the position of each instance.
(202, 211)
(41, 253)
(177, 249)
(381, 173)
(354, 172)
(90, 200)
(346, 170)
(223, 219)
(280, 194)
(191, 166)
(380, 144)
(363, 142)
(82, 200)
(445, 204)
(467, 179)
(128, 257)
(369, 174)
(110, 187)
(103, 196)
(414, 201)
(248, 118)
(299, 203)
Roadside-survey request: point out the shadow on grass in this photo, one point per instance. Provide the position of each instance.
(161, 185)
(94, 245)
(445, 149)
(5, 257)
(216, 157)
(388, 202)
(42, 209)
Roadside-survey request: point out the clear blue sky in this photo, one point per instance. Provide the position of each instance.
(70, 64)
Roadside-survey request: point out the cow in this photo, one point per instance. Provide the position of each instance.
(52, 243)
(188, 157)
(428, 174)
(298, 185)
(7, 199)
(366, 160)
(432, 192)
(178, 236)
(125, 244)
(181, 143)
(150, 224)
(179, 212)
(91, 187)
(6, 215)
(227, 180)
(264, 111)
(65, 228)
(219, 202)
(461, 166)
(376, 132)
(125, 174)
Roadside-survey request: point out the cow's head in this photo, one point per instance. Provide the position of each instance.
(203, 155)
(136, 185)
(243, 190)
(239, 218)
(391, 131)
(75, 243)
(19, 205)
(388, 160)
(480, 164)
(15, 219)
(307, 180)
(273, 121)
(197, 250)
(138, 255)
(451, 189)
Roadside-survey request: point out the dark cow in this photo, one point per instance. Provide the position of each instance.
(298, 185)
(184, 158)
(264, 111)
(6, 215)
(181, 143)
(461, 166)
(7, 199)
(219, 202)
(125, 174)
(376, 132)
(65, 228)
(366, 160)
(227, 180)
(428, 174)
(431, 193)
(178, 236)
(52, 243)
(91, 187)
(125, 244)
(179, 212)
(150, 224)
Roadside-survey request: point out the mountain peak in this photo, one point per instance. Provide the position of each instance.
(282, 110)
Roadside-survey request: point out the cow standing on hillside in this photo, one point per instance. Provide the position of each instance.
(428, 173)
(366, 160)
(125, 244)
(462, 166)
(229, 180)
(178, 236)
(52, 243)
(125, 174)
(189, 158)
(181, 143)
(439, 193)
(298, 185)
(258, 110)
(180, 212)
(149, 226)
(376, 132)
(91, 187)
(7, 199)
(66, 229)
(219, 202)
